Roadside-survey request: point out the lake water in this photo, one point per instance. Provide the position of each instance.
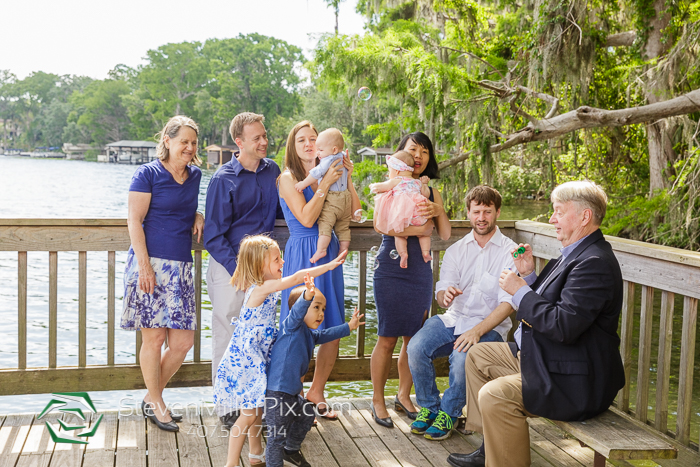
(48, 188)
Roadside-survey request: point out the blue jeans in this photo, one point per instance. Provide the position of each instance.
(432, 341)
(288, 418)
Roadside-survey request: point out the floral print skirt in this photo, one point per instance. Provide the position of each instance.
(171, 305)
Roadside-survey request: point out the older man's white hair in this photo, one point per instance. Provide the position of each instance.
(586, 194)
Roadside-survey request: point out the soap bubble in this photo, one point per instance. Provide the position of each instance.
(393, 254)
(364, 93)
(360, 216)
(376, 263)
(374, 250)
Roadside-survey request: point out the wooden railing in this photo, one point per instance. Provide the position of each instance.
(96, 237)
(674, 273)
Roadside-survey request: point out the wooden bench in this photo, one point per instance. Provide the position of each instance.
(616, 436)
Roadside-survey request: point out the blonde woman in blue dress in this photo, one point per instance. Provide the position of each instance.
(241, 379)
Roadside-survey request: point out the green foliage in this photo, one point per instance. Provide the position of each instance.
(365, 173)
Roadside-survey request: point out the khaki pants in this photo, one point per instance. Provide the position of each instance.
(336, 214)
(226, 303)
(495, 404)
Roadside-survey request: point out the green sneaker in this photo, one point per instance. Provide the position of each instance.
(441, 428)
(423, 421)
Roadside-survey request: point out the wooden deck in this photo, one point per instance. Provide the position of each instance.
(355, 440)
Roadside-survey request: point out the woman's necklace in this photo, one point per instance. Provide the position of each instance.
(182, 177)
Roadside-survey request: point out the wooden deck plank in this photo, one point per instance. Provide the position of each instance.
(38, 446)
(13, 434)
(131, 440)
(69, 454)
(316, 451)
(162, 446)
(341, 445)
(100, 450)
(191, 440)
(216, 436)
(433, 451)
(401, 447)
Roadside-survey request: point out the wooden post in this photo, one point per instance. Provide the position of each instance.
(685, 382)
(82, 308)
(362, 304)
(198, 304)
(22, 310)
(53, 308)
(645, 325)
(436, 277)
(111, 276)
(623, 397)
(663, 365)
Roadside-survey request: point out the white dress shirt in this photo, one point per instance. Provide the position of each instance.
(475, 271)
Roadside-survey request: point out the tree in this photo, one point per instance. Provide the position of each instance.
(167, 86)
(484, 77)
(100, 113)
(335, 4)
(253, 73)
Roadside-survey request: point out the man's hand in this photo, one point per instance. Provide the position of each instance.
(467, 339)
(510, 282)
(525, 262)
(445, 297)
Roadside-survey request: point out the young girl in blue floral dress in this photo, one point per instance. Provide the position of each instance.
(241, 378)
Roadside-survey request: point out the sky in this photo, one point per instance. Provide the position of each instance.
(90, 37)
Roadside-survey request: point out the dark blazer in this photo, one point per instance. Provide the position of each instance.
(570, 351)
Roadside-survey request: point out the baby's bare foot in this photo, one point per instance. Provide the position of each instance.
(318, 255)
(404, 260)
(427, 257)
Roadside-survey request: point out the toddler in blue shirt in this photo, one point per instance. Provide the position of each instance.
(287, 414)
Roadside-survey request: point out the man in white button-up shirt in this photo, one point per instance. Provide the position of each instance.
(478, 311)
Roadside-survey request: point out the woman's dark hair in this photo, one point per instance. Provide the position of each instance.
(420, 138)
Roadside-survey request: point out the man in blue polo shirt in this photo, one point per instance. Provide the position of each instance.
(242, 200)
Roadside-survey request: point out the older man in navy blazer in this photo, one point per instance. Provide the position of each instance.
(565, 362)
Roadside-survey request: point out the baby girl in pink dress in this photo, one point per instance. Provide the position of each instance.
(395, 206)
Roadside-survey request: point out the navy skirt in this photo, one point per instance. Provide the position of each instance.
(402, 296)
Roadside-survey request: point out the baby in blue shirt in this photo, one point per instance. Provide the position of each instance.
(287, 414)
(335, 214)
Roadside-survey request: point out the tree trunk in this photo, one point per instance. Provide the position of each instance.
(337, 10)
(224, 135)
(658, 132)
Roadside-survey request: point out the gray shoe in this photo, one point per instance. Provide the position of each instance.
(296, 458)
(229, 419)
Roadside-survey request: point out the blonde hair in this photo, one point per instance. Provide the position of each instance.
(241, 120)
(335, 137)
(171, 130)
(586, 194)
(405, 157)
(252, 256)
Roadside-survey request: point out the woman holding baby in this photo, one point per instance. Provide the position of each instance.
(302, 211)
(403, 294)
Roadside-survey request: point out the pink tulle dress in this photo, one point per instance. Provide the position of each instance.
(396, 209)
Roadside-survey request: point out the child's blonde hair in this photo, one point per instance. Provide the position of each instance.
(252, 254)
(335, 138)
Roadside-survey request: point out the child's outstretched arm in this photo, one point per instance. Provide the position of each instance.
(354, 322)
(382, 187)
(275, 285)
